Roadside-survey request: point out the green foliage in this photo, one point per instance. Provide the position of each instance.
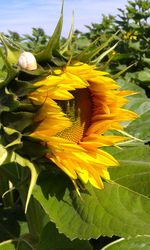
(138, 243)
(40, 208)
(91, 214)
(134, 41)
(60, 241)
(34, 42)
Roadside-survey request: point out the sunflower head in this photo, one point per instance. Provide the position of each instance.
(61, 106)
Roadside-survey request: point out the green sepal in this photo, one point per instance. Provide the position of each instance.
(10, 138)
(67, 45)
(37, 72)
(59, 60)
(53, 45)
(34, 175)
(88, 52)
(8, 100)
(33, 148)
(105, 53)
(22, 88)
(93, 50)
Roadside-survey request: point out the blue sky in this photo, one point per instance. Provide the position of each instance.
(22, 15)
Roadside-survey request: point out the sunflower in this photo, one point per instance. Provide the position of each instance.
(78, 105)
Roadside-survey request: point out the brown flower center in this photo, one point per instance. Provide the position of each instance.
(79, 111)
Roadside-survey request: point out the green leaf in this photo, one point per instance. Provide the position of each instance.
(134, 169)
(147, 60)
(13, 51)
(11, 72)
(22, 88)
(9, 227)
(24, 243)
(7, 245)
(115, 210)
(139, 128)
(138, 243)
(59, 241)
(138, 105)
(144, 75)
(135, 45)
(129, 82)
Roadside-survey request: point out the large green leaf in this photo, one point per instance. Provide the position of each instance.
(129, 82)
(138, 105)
(115, 210)
(138, 243)
(134, 169)
(139, 128)
(144, 75)
(137, 157)
(7, 245)
(51, 239)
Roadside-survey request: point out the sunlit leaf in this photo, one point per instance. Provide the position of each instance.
(7, 245)
(134, 169)
(115, 210)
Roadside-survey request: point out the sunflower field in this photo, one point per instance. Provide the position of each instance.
(74, 136)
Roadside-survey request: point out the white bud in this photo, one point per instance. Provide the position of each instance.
(27, 61)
